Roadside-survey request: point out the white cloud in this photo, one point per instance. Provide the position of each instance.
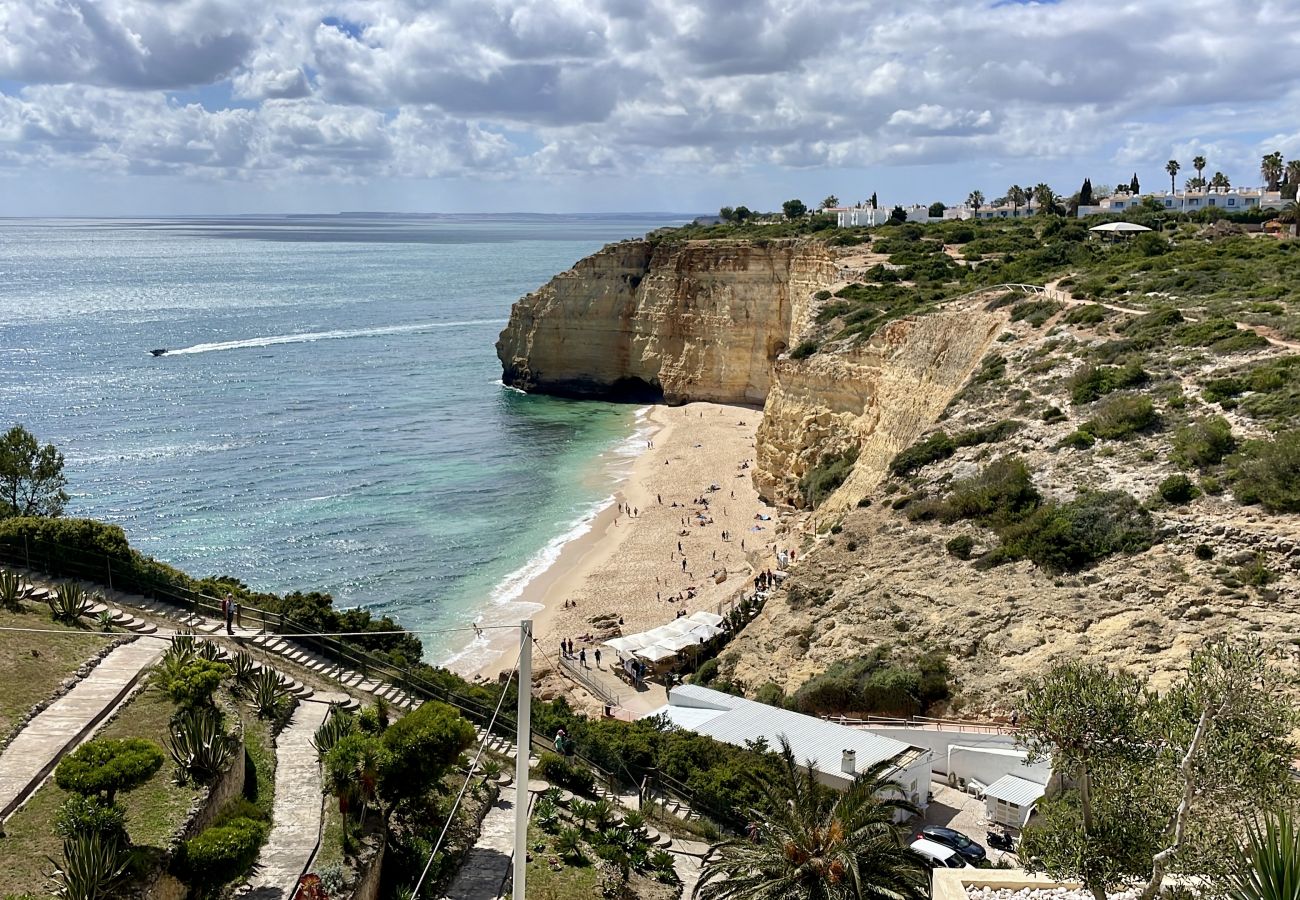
(359, 89)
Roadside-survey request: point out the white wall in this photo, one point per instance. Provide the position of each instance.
(986, 767)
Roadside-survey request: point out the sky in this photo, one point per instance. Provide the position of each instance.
(150, 107)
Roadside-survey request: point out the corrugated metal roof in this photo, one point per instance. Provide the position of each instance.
(742, 720)
(1015, 790)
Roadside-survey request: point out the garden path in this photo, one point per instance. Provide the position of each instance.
(488, 863)
(43, 741)
(296, 817)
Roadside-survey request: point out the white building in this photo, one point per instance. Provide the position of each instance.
(1229, 200)
(1005, 211)
(860, 217)
(835, 753)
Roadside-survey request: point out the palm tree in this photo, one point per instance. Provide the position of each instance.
(817, 844)
(1268, 867)
(1016, 195)
(1045, 196)
(1198, 163)
(1270, 168)
(1293, 172)
(830, 202)
(1220, 182)
(1172, 168)
(975, 200)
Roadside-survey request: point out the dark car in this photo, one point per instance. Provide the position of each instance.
(972, 852)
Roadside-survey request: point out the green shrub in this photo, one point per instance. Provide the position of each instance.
(1268, 472)
(81, 814)
(1203, 443)
(573, 776)
(1092, 314)
(1094, 382)
(188, 680)
(1052, 415)
(1220, 335)
(992, 368)
(771, 694)
(804, 350)
(1256, 572)
(1000, 494)
(1078, 440)
(69, 603)
(929, 449)
(105, 766)
(199, 745)
(1069, 536)
(1178, 489)
(988, 434)
(1120, 417)
(880, 682)
(223, 852)
(1035, 312)
(1203, 552)
(707, 672)
(960, 546)
(820, 482)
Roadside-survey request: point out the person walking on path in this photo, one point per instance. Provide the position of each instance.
(230, 615)
(239, 614)
(582, 657)
(597, 657)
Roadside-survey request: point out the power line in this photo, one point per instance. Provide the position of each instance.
(487, 733)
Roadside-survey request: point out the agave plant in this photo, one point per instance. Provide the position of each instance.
(207, 650)
(12, 589)
(568, 843)
(1268, 867)
(243, 668)
(104, 621)
(602, 814)
(547, 815)
(69, 603)
(92, 868)
(582, 812)
(336, 726)
(269, 696)
(183, 646)
(199, 745)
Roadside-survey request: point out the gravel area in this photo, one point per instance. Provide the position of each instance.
(1060, 893)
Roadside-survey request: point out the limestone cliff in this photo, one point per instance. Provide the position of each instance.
(874, 398)
(684, 321)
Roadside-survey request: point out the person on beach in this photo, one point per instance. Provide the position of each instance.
(597, 657)
(582, 657)
(564, 649)
(683, 564)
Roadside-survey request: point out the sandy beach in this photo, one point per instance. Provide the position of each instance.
(629, 564)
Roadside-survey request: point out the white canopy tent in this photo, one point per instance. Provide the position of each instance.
(655, 653)
(670, 638)
(1116, 227)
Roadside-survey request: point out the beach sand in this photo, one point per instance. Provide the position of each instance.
(630, 565)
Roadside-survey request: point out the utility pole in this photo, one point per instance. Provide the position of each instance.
(523, 745)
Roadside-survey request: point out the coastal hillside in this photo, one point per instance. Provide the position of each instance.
(1011, 445)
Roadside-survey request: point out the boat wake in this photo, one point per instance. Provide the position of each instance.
(307, 337)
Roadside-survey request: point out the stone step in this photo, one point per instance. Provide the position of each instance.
(144, 628)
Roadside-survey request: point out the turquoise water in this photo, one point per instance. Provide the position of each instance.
(329, 416)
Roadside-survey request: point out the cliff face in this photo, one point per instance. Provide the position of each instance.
(875, 397)
(686, 321)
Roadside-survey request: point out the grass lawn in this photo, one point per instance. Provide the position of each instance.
(153, 810)
(27, 679)
(568, 882)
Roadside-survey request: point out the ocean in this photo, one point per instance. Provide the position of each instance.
(329, 415)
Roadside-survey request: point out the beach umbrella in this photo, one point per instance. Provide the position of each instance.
(1119, 227)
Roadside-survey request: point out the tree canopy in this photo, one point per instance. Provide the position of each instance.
(31, 476)
(1156, 783)
(794, 209)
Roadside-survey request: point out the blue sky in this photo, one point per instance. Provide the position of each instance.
(131, 107)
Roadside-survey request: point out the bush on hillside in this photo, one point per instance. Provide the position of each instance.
(1220, 335)
(820, 482)
(1001, 494)
(1094, 382)
(1035, 312)
(880, 683)
(1091, 314)
(81, 814)
(1120, 417)
(571, 776)
(1268, 473)
(804, 350)
(1067, 537)
(960, 546)
(1203, 443)
(1178, 489)
(929, 449)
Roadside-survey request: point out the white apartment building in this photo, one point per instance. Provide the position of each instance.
(1230, 200)
(860, 216)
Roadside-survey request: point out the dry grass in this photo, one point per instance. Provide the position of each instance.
(33, 665)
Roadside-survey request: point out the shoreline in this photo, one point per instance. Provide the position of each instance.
(620, 563)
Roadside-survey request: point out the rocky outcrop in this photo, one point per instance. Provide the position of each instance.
(694, 320)
(873, 398)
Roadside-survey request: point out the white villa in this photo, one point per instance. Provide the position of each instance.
(1231, 200)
